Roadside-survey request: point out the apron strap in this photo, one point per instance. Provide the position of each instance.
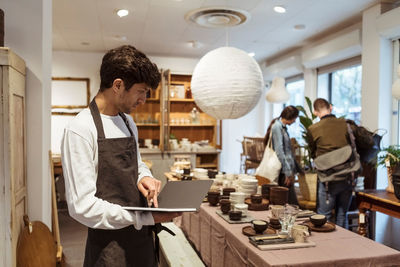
(99, 124)
(97, 119)
(126, 122)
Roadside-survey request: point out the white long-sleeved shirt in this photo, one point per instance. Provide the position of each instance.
(79, 155)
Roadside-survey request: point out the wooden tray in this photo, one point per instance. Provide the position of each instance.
(249, 231)
(257, 207)
(327, 227)
(246, 219)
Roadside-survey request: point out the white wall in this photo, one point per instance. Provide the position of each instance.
(28, 32)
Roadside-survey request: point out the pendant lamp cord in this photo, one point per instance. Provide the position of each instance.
(226, 28)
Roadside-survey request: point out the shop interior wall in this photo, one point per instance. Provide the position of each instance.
(31, 39)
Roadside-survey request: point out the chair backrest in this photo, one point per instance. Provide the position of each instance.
(253, 148)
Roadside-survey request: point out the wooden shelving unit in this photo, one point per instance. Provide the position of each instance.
(167, 112)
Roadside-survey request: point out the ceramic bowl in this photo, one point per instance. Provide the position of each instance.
(226, 191)
(247, 181)
(235, 215)
(259, 226)
(318, 220)
(225, 205)
(213, 198)
(256, 198)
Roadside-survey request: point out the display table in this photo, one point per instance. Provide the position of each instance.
(223, 244)
(376, 200)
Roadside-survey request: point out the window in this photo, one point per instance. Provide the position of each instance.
(295, 87)
(340, 84)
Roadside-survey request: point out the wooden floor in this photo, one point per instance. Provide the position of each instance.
(73, 239)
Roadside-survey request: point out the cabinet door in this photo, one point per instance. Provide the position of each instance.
(14, 156)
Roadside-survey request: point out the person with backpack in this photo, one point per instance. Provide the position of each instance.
(336, 161)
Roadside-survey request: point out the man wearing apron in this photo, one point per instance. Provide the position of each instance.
(103, 170)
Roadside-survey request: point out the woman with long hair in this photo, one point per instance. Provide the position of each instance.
(283, 149)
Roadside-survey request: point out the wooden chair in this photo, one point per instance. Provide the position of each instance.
(253, 151)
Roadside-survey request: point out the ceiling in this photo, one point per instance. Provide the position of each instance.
(158, 27)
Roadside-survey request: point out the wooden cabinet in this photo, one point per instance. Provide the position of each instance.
(13, 200)
(168, 112)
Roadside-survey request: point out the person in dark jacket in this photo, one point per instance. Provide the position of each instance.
(329, 134)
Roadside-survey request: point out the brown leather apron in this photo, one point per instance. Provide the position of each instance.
(116, 183)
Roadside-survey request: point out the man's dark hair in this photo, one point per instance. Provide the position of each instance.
(130, 65)
(288, 113)
(321, 103)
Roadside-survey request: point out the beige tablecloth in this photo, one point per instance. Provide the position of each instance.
(223, 244)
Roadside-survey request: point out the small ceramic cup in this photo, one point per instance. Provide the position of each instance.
(318, 220)
(300, 233)
(259, 226)
(235, 215)
(213, 197)
(256, 198)
(225, 205)
(243, 208)
(276, 210)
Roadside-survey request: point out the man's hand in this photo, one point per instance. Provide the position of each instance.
(150, 188)
(289, 180)
(160, 217)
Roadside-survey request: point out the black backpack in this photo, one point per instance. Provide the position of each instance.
(367, 142)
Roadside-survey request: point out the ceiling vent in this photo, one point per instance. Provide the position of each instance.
(215, 17)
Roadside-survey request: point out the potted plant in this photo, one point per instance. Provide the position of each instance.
(390, 158)
(308, 180)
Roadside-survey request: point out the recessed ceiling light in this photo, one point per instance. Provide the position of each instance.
(122, 12)
(85, 43)
(252, 54)
(279, 9)
(120, 38)
(193, 44)
(299, 27)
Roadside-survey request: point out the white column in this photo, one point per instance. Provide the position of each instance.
(376, 101)
(310, 83)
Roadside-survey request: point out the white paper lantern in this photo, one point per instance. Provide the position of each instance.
(396, 85)
(227, 83)
(277, 93)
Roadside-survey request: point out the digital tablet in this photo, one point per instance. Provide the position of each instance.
(180, 196)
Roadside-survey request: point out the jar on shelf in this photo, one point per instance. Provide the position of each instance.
(195, 116)
(188, 93)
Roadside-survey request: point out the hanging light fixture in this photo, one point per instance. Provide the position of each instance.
(227, 83)
(396, 85)
(277, 93)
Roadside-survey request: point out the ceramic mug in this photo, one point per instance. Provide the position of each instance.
(300, 233)
(276, 210)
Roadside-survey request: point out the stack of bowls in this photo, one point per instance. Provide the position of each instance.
(248, 186)
(200, 173)
(278, 195)
(237, 197)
